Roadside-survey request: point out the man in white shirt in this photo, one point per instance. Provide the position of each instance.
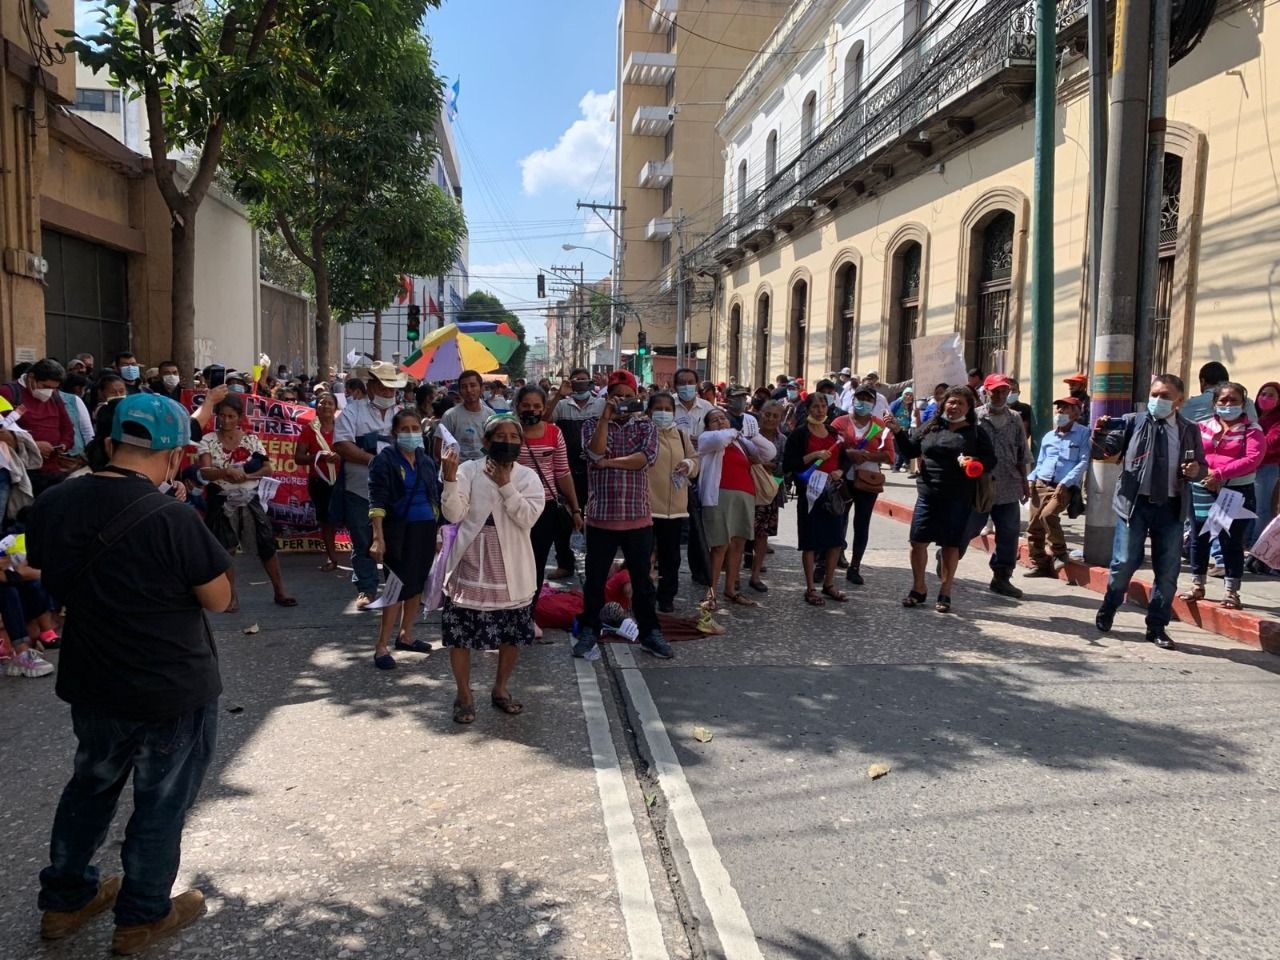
(363, 428)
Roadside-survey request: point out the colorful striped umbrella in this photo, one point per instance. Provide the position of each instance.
(446, 352)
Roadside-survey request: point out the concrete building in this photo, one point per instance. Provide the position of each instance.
(862, 209)
(677, 61)
(439, 298)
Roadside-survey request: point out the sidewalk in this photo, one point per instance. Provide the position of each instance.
(1257, 625)
(346, 815)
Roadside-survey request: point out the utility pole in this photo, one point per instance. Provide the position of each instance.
(1161, 27)
(616, 317)
(1042, 216)
(1097, 27)
(574, 293)
(681, 299)
(1117, 260)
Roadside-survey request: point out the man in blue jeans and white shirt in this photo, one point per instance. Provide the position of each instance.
(137, 571)
(1160, 451)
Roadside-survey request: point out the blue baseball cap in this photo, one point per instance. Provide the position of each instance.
(167, 425)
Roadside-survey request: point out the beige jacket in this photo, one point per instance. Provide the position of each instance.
(666, 500)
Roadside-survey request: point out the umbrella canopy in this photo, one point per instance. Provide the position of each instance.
(446, 352)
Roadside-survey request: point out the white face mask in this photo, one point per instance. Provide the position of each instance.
(170, 380)
(383, 403)
(42, 394)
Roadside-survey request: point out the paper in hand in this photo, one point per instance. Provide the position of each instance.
(817, 483)
(1227, 508)
(390, 594)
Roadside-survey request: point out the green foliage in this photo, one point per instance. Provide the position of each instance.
(487, 307)
(278, 265)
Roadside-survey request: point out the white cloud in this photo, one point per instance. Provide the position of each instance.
(581, 152)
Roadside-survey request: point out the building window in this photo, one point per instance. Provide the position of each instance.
(843, 321)
(1158, 333)
(853, 73)
(671, 91)
(799, 326)
(909, 260)
(771, 156)
(671, 36)
(668, 142)
(994, 293)
(666, 198)
(99, 101)
(808, 120)
(666, 251)
(735, 342)
(742, 186)
(762, 340)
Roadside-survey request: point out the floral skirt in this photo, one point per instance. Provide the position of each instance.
(467, 628)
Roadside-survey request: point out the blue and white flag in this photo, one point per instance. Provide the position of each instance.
(453, 99)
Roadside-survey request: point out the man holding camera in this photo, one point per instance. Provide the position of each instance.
(621, 446)
(1159, 451)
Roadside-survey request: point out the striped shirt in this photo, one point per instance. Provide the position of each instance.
(548, 457)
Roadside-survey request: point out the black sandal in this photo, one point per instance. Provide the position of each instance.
(811, 597)
(507, 705)
(914, 598)
(829, 590)
(944, 603)
(464, 712)
(758, 586)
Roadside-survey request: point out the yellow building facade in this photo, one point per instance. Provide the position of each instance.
(920, 225)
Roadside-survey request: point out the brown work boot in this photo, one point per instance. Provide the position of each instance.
(187, 908)
(56, 924)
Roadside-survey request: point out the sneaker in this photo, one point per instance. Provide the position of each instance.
(708, 625)
(854, 576)
(585, 642)
(186, 909)
(56, 924)
(1161, 639)
(656, 645)
(1104, 618)
(364, 599)
(29, 664)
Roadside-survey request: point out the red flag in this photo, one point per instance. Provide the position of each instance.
(406, 292)
(433, 308)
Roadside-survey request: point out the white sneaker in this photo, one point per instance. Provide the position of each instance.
(29, 664)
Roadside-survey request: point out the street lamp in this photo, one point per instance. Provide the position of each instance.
(574, 246)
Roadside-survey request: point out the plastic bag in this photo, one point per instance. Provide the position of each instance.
(433, 595)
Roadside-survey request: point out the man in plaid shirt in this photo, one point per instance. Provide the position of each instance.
(621, 445)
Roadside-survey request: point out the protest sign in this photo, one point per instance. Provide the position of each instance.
(937, 359)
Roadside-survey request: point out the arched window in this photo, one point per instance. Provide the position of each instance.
(771, 156)
(796, 334)
(842, 325)
(852, 73)
(907, 265)
(914, 18)
(808, 119)
(993, 294)
(742, 185)
(762, 340)
(1153, 336)
(735, 342)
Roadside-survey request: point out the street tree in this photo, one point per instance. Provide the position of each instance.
(200, 70)
(361, 131)
(487, 307)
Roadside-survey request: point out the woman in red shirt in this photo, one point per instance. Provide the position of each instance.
(543, 451)
(813, 444)
(315, 450)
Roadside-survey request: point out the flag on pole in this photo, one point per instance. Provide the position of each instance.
(433, 308)
(406, 289)
(453, 98)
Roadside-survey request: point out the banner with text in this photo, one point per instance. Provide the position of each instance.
(937, 359)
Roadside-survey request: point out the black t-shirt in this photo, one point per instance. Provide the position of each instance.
(136, 643)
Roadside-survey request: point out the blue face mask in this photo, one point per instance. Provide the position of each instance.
(663, 418)
(1230, 413)
(687, 392)
(409, 442)
(1159, 407)
(862, 408)
(130, 371)
(235, 388)
(793, 395)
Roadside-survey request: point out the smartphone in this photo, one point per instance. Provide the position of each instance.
(630, 406)
(1112, 423)
(215, 376)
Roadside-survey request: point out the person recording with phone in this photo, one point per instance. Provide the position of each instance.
(621, 446)
(1159, 450)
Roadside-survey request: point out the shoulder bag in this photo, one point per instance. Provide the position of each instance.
(761, 477)
(564, 516)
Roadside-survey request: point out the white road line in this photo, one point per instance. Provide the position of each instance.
(644, 931)
(737, 938)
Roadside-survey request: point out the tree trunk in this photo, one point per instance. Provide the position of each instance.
(377, 333)
(183, 296)
(324, 354)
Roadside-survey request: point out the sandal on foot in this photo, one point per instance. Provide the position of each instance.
(914, 598)
(811, 597)
(283, 601)
(1195, 593)
(944, 603)
(829, 590)
(507, 705)
(740, 600)
(758, 586)
(1231, 601)
(464, 712)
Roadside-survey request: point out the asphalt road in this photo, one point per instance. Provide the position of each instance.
(1052, 793)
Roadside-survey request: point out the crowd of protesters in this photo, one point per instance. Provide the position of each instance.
(159, 486)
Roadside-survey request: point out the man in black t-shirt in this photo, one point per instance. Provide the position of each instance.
(136, 571)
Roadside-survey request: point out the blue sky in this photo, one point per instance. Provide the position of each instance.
(533, 133)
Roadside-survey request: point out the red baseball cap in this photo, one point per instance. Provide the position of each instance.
(1069, 401)
(1076, 378)
(995, 380)
(623, 376)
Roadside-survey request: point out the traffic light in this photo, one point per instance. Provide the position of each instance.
(414, 323)
(542, 286)
(642, 344)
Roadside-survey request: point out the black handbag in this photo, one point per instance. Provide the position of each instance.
(564, 516)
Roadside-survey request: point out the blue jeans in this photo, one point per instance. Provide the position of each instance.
(1007, 519)
(1264, 488)
(1164, 526)
(168, 760)
(356, 512)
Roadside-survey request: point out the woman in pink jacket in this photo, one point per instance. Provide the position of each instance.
(1234, 449)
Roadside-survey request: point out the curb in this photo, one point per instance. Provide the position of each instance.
(1250, 629)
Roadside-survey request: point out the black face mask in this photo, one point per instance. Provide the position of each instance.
(530, 419)
(501, 451)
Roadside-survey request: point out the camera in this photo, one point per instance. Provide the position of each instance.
(671, 114)
(634, 405)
